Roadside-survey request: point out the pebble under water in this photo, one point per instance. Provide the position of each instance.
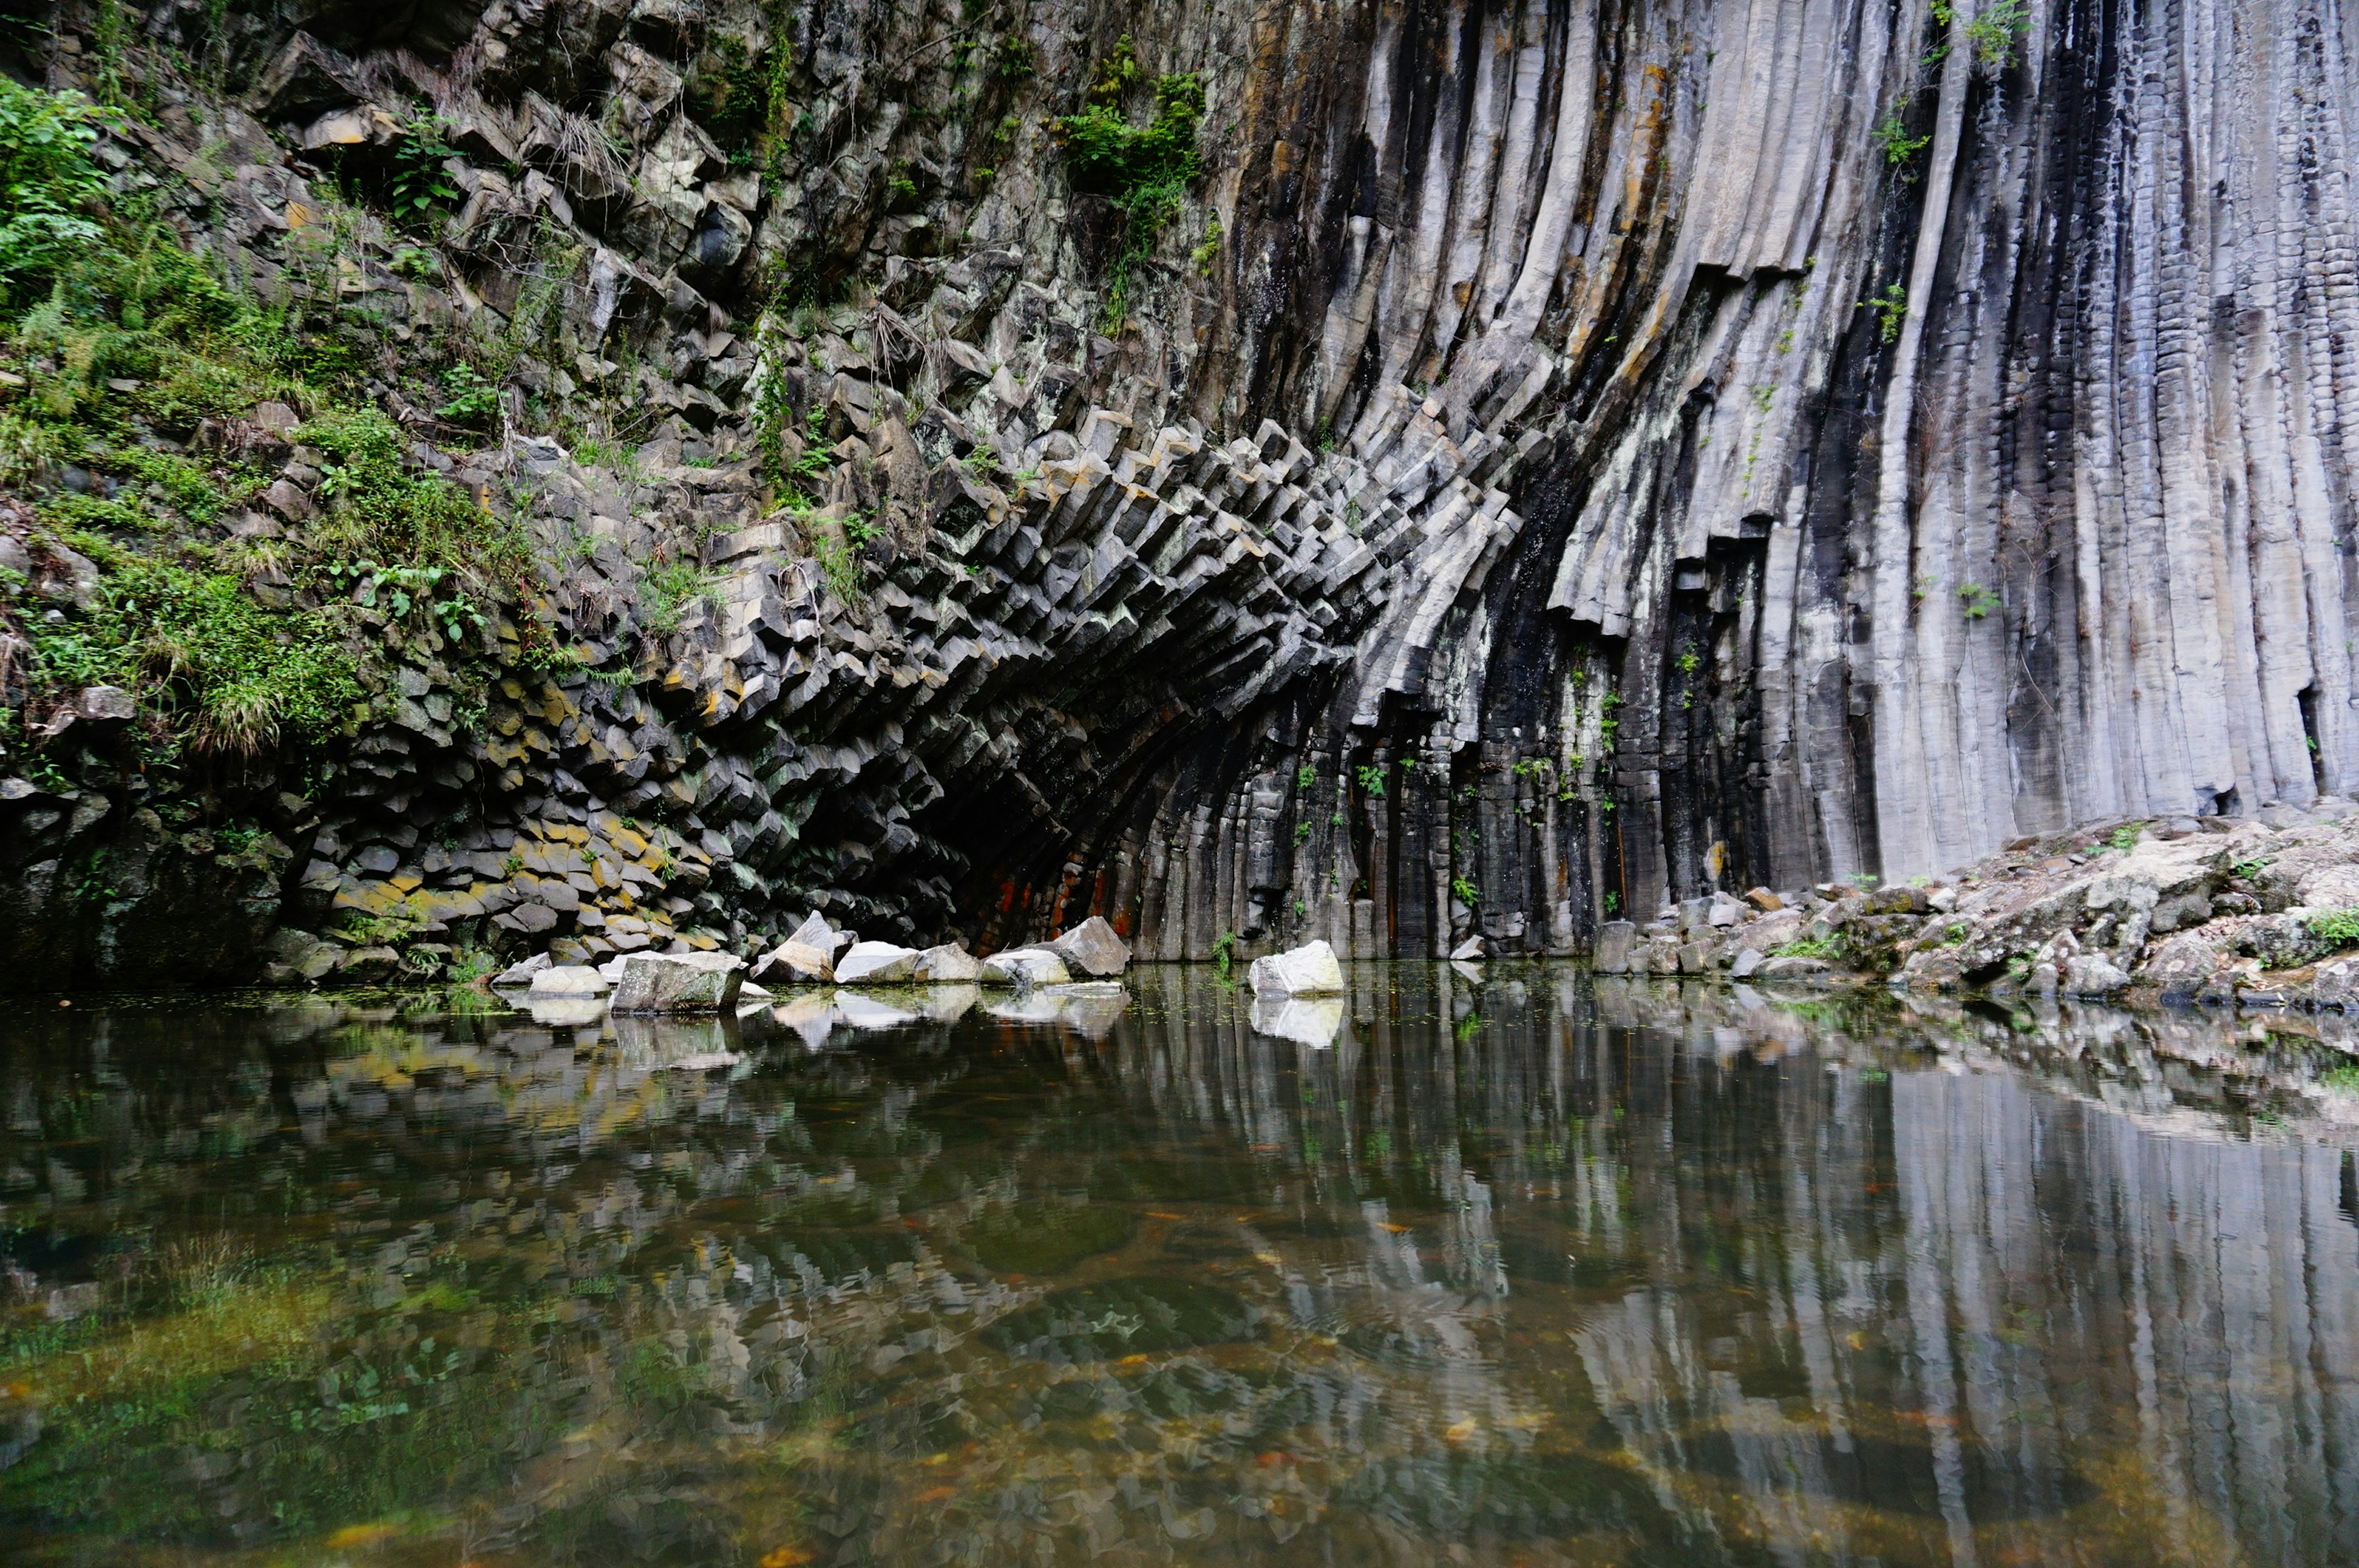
(1525, 1267)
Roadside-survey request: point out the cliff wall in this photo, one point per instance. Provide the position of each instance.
(1531, 463)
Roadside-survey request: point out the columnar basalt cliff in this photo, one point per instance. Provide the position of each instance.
(1529, 465)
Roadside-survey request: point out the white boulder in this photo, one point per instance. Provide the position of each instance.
(1307, 971)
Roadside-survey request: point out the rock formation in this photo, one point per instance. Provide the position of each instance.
(1530, 466)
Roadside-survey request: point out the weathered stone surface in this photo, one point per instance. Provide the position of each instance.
(792, 963)
(568, 980)
(522, 973)
(1023, 969)
(875, 963)
(678, 983)
(946, 963)
(1307, 971)
(1092, 949)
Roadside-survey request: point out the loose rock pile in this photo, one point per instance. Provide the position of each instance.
(2259, 911)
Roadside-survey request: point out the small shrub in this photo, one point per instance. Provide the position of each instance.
(1975, 601)
(472, 397)
(1891, 308)
(1465, 892)
(1891, 136)
(419, 183)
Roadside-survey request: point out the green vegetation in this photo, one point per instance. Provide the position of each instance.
(1809, 947)
(122, 341)
(2344, 1077)
(420, 185)
(1372, 778)
(236, 676)
(1975, 601)
(472, 397)
(669, 592)
(1891, 136)
(2338, 928)
(1891, 308)
(47, 181)
(1994, 34)
(1465, 892)
(1145, 169)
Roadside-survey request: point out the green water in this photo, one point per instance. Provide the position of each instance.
(1523, 1270)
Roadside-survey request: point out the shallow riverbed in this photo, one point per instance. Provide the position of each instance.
(1532, 1269)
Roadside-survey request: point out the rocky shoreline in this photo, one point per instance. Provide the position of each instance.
(2258, 913)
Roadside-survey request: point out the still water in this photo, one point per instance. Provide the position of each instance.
(1529, 1270)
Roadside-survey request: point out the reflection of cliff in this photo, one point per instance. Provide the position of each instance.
(1530, 1267)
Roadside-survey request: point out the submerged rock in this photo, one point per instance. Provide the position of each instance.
(1309, 970)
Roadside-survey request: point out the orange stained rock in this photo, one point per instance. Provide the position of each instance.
(788, 1557)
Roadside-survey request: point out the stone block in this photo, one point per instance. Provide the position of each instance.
(680, 982)
(1023, 969)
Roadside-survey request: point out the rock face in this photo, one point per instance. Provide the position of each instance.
(1558, 464)
(681, 983)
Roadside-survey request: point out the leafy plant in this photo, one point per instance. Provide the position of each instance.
(419, 182)
(1465, 892)
(1808, 947)
(1014, 58)
(2125, 836)
(1305, 776)
(1372, 778)
(1975, 601)
(1891, 308)
(47, 179)
(1994, 34)
(1224, 948)
(1891, 136)
(472, 397)
(2338, 928)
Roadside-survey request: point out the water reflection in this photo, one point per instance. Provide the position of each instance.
(1529, 1270)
